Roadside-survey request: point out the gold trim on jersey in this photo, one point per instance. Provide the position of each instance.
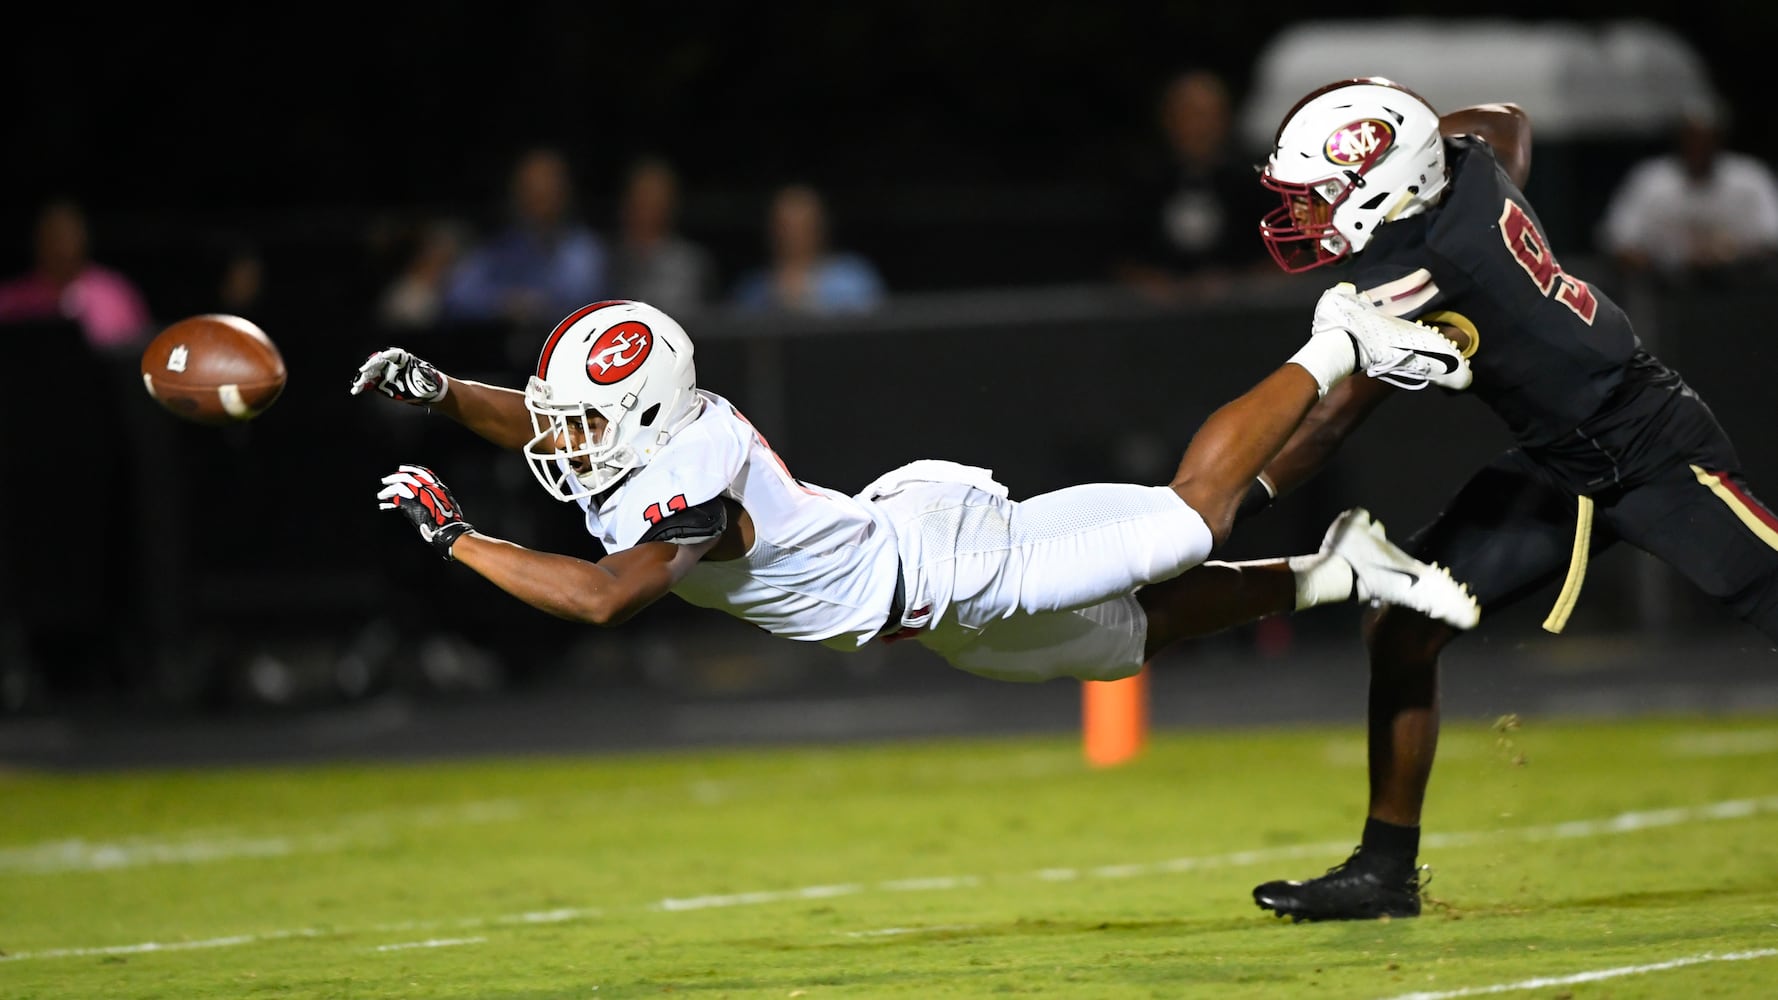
(1459, 321)
(1577, 567)
(1728, 495)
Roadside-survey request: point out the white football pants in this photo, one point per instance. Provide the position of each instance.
(1030, 590)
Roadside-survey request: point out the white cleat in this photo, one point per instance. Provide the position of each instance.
(1401, 352)
(1382, 572)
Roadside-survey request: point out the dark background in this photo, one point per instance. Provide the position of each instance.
(961, 145)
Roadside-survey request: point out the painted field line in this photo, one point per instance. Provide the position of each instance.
(899, 931)
(1629, 822)
(430, 943)
(671, 905)
(150, 947)
(1622, 823)
(1591, 976)
(350, 830)
(1743, 743)
(532, 918)
(78, 854)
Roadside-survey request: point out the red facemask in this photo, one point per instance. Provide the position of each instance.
(1294, 232)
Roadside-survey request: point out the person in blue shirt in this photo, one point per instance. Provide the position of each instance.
(804, 274)
(542, 265)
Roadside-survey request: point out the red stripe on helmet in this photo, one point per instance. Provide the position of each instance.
(555, 335)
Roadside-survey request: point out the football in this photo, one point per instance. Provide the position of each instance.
(213, 369)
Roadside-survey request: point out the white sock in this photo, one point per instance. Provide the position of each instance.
(1329, 356)
(1320, 579)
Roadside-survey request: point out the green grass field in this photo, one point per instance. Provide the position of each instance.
(1570, 859)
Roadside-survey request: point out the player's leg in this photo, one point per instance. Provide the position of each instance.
(1711, 528)
(1506, 533)
(1356, 559)
(1214, 596)
(1019, 565)
(1081, 546)
(1102, 642)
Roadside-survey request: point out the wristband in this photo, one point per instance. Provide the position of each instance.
(444, 538)
(1329, 356)
(1259, 496)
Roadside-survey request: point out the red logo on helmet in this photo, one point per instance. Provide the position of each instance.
(618, 352)
(1360, 143)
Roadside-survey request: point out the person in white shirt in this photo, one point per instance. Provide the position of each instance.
(1088, 582)
(1698, 210)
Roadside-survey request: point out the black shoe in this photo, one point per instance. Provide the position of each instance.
(1359, 888)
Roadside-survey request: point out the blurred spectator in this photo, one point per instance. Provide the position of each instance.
(804, 275)
(415, 298)
(1698, 212)
(652, 262)
(66, 284)
(240, 288)
(1193, 222)
(543, 264)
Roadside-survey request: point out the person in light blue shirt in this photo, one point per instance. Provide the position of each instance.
(804, 275)
(542, 265)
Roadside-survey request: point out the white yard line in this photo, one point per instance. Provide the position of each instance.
(430, 943)
(78, 854)
(756, 898)
(1590, 976)
(1739, 743)
(1622, 823)
(1630, 822)
(899, 931)
(149, 947)
(199, 847)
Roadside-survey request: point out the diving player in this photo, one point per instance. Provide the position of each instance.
(1088, 582)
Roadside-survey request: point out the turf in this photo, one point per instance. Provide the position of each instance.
(911, 870)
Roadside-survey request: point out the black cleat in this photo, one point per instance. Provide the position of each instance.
(1358, 888)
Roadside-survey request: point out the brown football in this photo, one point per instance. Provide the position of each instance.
(213, 369)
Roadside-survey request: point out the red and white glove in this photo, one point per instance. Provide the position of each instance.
(400, 375)
(418, 492)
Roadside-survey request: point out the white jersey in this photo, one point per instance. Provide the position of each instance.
(1018, 590)
(823, 566)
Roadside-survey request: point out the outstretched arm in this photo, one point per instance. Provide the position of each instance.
(1505, 127)
(1237, 441)
(1326, 427)
(608, 592)
(494, 412)
(1323, 431)
(1244, 437)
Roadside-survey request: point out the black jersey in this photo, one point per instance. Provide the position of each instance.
(1553, 356)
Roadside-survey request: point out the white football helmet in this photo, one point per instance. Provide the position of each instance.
(1348, 158)
(626, 362)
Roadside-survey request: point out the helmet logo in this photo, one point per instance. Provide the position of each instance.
(1361, 142)
(618, 352)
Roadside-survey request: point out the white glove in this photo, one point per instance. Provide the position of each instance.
(1351, 333)
(399, 375)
